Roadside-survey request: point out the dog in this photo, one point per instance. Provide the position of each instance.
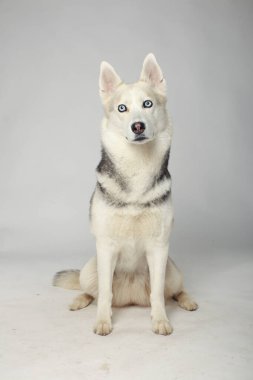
(131, 211)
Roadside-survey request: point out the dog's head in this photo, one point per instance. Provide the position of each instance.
(135, 111)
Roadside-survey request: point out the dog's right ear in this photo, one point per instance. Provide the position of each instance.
(108, 80)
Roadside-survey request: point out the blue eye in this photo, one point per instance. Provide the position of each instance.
(147, 104)
(122, 108)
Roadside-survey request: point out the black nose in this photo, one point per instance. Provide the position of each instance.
(138, 127)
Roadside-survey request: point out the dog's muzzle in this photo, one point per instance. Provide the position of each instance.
(138, 127)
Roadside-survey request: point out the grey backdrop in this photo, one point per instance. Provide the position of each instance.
(50, 52)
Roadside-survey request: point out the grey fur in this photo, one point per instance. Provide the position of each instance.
(107, 166)
(158, 201)
(164, 172)
(109, 198)
(117, 203)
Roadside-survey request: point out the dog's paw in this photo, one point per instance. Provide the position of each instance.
(188, 304)
(103, 328)
(162, 327)
(80, 302)
(185, 301)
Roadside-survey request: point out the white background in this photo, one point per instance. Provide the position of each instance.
(50, 113)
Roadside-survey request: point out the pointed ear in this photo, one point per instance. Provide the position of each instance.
(152, 74)
(108, 80)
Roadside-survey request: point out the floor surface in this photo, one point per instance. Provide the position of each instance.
(41, 339)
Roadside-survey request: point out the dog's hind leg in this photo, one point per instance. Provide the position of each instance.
(174, 287)
(88, 283)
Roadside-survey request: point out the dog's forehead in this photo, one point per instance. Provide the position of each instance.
(132, 92)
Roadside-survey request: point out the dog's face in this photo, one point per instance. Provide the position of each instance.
(135, 111)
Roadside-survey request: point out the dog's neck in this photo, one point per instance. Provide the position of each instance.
(138, 164)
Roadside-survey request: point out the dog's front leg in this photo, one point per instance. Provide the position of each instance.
(106, 261)
(157, 256)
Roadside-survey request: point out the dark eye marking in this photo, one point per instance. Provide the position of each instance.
(122, 108)
(147, 104)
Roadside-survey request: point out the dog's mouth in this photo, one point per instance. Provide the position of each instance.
(140, 138)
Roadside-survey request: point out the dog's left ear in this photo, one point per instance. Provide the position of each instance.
(152, 74)
(108, 80)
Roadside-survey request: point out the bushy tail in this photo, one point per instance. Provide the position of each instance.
(67, 279)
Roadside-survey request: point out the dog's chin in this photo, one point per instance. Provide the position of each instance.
(139, 140)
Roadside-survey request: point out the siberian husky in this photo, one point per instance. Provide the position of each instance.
(131, 210)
